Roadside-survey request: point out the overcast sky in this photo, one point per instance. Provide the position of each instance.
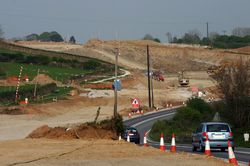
(127, 19)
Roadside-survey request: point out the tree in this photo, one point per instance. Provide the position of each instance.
(32, 37)
(148, 37)
(169, 36)
(55, 37)
(213, 36)
(72, 40)
(241, 32)
(1, 33)
(50, 36)
(234, 82)
(192, 37)
(157, 40)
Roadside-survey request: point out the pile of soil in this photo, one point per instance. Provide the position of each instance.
(43, 79)
(81, 132)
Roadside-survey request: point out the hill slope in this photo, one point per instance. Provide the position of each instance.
(169, 58)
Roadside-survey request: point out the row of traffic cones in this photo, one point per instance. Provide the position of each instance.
(172, 147)
(207, 152)
(231, 155)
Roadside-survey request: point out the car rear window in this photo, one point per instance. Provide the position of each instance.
(131, 130)
(217, 128)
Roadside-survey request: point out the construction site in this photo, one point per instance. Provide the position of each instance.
(179, 72)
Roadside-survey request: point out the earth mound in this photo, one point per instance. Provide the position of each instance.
(83, 131)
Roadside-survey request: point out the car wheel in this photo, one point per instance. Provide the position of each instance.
(194, 149)
(202, 149)
(223, 149)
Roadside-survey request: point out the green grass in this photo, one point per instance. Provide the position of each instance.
(7, 88)
(57, 73)
(59, 93)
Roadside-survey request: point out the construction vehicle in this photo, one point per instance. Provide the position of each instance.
(183, 81)
(157, 75)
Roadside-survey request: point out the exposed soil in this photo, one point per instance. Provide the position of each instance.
(30, 152)
(61, 121)
(80, 132)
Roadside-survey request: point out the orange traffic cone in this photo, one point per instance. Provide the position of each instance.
(128, 138)
(173, 146)
(142, 112)
(162, 146)
(120, 137)
(231, 155)
(145, 140)
(207, 147)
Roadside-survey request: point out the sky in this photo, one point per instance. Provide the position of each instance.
(121, 19)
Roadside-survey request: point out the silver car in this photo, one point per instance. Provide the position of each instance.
(218, 135)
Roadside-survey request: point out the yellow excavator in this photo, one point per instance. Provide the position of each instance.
(183, 81)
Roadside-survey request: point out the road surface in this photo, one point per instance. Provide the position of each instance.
(145, 122)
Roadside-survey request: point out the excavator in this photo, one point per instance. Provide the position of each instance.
(183, 81)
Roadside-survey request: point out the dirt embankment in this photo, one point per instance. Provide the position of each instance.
(83, 131)
(30, 152)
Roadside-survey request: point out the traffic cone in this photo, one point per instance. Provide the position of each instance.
(162, 146)
(231, 155)
(173, 146)
(120, 137)
(128, 138)
(207, 147)
(145, 140)
(170, 105)
(142, 112)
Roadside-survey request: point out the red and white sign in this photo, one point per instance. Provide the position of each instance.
(135, 103)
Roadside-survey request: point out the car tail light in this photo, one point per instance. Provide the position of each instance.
(204, 134)
(231, 134)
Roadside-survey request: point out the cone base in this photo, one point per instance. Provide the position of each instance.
(173, 149)
(208, 152)
(233, 161)
(162, 148)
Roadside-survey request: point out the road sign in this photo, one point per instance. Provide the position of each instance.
(117, 85)
(135, 103)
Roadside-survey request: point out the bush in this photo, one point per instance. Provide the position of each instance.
(203, 107)
(40, 60)
(184, 122)
(91, 65)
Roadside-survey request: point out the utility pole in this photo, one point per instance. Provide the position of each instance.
(34, 95)
(207, 31)
(115, 82)
(152, 89)
(149, 86)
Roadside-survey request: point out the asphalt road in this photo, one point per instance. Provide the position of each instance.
(145, 122)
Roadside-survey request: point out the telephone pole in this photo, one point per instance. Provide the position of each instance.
(115, 82)
(149, 85)
(207, 31)
(34, 95)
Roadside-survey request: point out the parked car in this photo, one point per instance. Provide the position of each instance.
(218, 135)
(133, 135)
